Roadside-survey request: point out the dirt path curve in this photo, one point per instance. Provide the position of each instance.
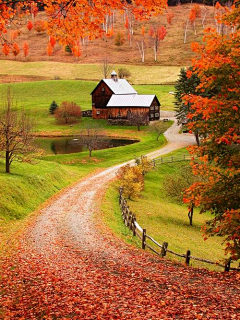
(69, 266)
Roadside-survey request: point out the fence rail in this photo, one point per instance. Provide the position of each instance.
(159, 161)
(130, 221)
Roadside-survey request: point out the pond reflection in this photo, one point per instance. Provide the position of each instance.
(66, 145)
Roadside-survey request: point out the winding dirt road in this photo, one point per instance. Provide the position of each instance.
(70, 266)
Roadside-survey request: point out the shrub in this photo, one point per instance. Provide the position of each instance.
(175, 184)
(68, 112)
(119, 39)
(145, 164)
(124, 73)
(39, 26)
(53, 107)
(68, 49)
(131, 180)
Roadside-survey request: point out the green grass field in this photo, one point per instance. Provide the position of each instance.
(164, 219)
(36, 97)
(69, 71)
(28, 185)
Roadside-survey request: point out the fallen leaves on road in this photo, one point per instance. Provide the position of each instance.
(66, 267)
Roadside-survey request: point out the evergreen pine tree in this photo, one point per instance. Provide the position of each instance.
(53, 107)
(184, 86)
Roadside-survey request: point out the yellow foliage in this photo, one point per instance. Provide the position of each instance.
(144, 164)
(131, 180)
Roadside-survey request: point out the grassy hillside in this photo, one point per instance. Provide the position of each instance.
(28, 185)
(36, 97)
(15, 71)
(164, 219)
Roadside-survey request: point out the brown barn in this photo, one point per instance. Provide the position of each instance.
(116, 99)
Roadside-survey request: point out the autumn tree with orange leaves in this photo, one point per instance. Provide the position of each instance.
(216, 118)
(157, 34)
(69, 21)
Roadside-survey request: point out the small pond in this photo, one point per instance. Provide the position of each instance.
(65, 145)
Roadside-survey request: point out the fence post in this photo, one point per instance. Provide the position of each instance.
(120, 194)
(164, 249)
(144, 239)
(133, 225)
(187, 261)
(130, 220)
(227, 265)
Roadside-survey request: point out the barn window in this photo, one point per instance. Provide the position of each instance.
(156, 114)
(151, 115)
(152, 108)
(98, 112)
(103, 91)
(156, 108)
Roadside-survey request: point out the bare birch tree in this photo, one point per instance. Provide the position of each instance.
(106, 67)
(141, 45)
(90, 137)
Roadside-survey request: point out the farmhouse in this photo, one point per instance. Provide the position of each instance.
(116, 99)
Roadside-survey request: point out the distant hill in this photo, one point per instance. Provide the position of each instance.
(172, 50)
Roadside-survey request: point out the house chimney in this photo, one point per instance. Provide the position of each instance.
(114, 76)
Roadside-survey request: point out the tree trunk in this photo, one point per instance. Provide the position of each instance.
(7, 162)
(197, 138)
(190, 216)
(90, 152)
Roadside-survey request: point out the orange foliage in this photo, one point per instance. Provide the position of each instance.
(52, 41)
(25, 49)
(65, 23)
(5, 49)
(77, 50)
(162, 32)
(39, 26)
(169, 16)
(49, 49)
(15, 49)
(216, 119)
(29, 25)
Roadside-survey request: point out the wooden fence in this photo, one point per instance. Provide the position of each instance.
(130, 221)
(159, 161)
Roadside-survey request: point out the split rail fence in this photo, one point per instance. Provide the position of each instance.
(161, 160)
(130, 221)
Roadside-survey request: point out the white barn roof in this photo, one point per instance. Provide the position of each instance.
(131, 100)
(121, 86)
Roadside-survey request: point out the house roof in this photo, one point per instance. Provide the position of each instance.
(131, 100)
(121, 86)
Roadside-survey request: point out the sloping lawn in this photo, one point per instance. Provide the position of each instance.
(164, 219)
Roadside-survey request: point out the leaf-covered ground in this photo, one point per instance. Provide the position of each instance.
(68, 265)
